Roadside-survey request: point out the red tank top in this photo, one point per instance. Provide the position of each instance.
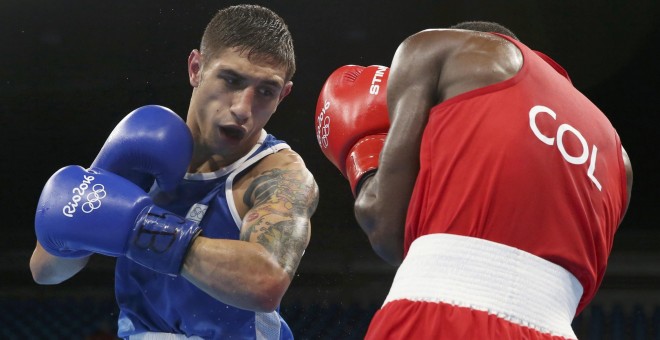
(529, 162)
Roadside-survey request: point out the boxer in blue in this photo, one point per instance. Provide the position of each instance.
(209, 218)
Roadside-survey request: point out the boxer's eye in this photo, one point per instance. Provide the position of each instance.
(266, 92)
(231, 80)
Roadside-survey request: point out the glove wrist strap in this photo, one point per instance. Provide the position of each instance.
(363, 159)
(161, 239)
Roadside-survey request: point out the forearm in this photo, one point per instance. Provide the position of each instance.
(382, 220)
(238, 273)
(48, 269)
(382, 206)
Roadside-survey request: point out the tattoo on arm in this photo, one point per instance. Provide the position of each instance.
(282, 202)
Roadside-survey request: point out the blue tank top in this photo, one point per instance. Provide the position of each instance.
(154, 302)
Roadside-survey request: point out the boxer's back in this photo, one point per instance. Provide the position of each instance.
(528, 162)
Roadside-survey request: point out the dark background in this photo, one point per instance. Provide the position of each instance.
(70, 70)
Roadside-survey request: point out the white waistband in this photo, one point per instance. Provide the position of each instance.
(161, 336)
(469, 272)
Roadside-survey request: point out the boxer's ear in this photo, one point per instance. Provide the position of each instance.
(195, 68)
(286, 90)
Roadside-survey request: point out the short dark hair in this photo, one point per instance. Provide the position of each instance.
(254, 29)
(484, 26)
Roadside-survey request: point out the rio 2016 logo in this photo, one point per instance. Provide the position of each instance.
(323, 126)
(92, 199)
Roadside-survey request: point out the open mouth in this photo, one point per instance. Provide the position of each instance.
(232, 132)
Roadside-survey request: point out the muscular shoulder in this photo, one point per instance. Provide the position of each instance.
(283, 172)
(480, 60)
(461, 60)
(285, 158)
(442, 45)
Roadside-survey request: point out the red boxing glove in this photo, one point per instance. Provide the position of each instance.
(352, 119)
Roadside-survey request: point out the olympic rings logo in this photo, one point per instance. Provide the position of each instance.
(323, 126)
(94, 198)
(79, 192)
(197, 212)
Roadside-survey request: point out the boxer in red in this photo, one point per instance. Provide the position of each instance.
(486, 176)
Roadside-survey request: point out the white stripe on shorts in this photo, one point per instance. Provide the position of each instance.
(479, 274)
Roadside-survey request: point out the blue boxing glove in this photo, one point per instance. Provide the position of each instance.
(94, 210)
(150, 142)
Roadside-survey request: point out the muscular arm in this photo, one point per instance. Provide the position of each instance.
(428, 68)
(48, 269)
(382, 203)
(254, 273)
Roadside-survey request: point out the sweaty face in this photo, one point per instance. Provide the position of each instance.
(233, 98)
